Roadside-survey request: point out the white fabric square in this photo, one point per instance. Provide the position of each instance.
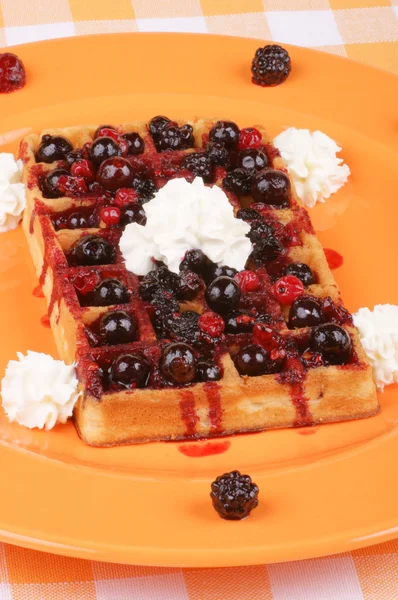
(304, 28)
(320, 579)
(5, 591)
(187, 24)
(153, 587)
(34, 33)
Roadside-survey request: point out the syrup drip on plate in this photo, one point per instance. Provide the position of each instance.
(335, 260)
(200, 449)
(37, 292)
(45, 321)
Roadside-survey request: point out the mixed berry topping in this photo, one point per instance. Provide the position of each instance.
(12, 73)
(271, 65)
(238, 181)
(167, 135)
(177, 363)
(200, 164)
(212, 324)
(234, 496)
(118, 327)
(266, 245)
(92, 250)
(53, 148)
(218, 154)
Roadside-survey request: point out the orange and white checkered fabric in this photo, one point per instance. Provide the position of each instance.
(365, 30)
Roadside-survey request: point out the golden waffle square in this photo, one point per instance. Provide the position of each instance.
(303, 389)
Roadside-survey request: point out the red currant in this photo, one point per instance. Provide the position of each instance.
(72, 186)
(87, 282)
(125, 196)
(287, 289)
(83, 168)
(249, 138)
(110, 215)
(265, 336)
(211, 323)
(248, 281)
(290, 236)
(108, 132)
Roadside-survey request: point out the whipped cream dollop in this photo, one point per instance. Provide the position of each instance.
(312, 162)
(39, 391)
(378, 330)
(12, 192)
(183, 216)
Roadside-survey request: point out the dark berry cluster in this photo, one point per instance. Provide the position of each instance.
(234, 495)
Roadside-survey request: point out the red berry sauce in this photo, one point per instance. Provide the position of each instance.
(335, 260)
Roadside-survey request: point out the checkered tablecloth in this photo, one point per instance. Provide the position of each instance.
(365, 30)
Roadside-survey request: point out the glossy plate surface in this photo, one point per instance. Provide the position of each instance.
(322, 490)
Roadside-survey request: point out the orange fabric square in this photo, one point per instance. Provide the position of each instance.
(31, 566)
(245, 583)
(18, 12)
(296, 5)
(53, 591)
(254, 25)
(359, 25)
(378, 576)
(1, 24)
(229, 7)
(155, 9)
(112, 571)
(378, 549)
(383, 55)
(90, 10)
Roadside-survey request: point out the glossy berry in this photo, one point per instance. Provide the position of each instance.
(218, 154)
(109, 292)
(287, 289)
(333, 342)
(85, 283)
(73, 156)
(53, 148)
(271, 65)
(110, 215)
(83, 168)
(157, 124)
(133, 213)
(49, 184)
(92, 250)
(158, 279)
(135, 143)
(267, 246)
(189, 285)
(302, 272)
(196, 261)
(115, 173)
(77, 221)
(249, 138)
(252, 160)
(248, 281)
(252, 361)
(172, 137)
(184, 327)
(247, 214)
(177, 363)
(125, 196)
(239, 321)
(305, 312)
(225, 132)
(234, 496)
(130, 371)
(271, 187)
(200, 164)
(105, 130)
(206, 371)
(238, 181)
(12, 73)
(266, 337)
(223, 295)
(220, 271)
(118, 327)
(104, 148)
(212, 324)
(72, 186)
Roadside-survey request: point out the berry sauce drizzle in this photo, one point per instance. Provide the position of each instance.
(335, 260)
(188, 413)
(295, 375)
(215, 410)
(200, 449)
(37, 292)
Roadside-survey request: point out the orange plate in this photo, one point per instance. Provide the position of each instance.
(331, 491)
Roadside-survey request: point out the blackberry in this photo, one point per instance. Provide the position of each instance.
(270, 66)
(159, 279)
(172, 137)
(189, 285)
(185, 328)
(200, 164)
(234, 495)
(218, 154)
(156, 125)
(301, 271)
(266, 244)
(166, 308)
(238, 181)
(145, 187)
(196, 261)
(247, 214)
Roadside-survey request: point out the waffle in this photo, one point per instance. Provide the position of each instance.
(108, 415)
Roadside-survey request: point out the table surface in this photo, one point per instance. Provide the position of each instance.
(364, 30)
